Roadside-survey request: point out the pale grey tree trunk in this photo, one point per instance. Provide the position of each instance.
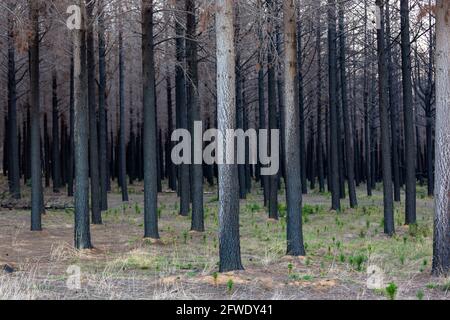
(229, 242)
(441, 243)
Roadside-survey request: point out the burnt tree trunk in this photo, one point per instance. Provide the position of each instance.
(149, 144)
(82, 235)
(333, 136)
(102, 130)
(93, 136)
(384, 124)
(408, 115)
(292, 135)
(35, 131)
(13, 141)
(348, 132)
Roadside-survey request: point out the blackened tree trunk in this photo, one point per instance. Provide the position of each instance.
(261, 103)
(131, 151)
(122, 142)
(280, 99)
(392, 107)
(35, 132)
(441, 242)
(159, 155)
(93, 136)
(47, 163)
(273, 121)
(27, 145)
(333, 136)
(429, 111)
(292, 135)
(301, 106)
(170, 167)
(248, 166)
(389, 228)
(195, 116)
(240, 119)
(5, 148)
(13, 142)
(64, 150)
(81, 133)
(349, 151)
(367, 115)
(150, 160)
(408, 112)
(102, 131)
(229, 239)
(181, 107)
(56, 166)
(70, 164)
(311, 154)
(319, 152)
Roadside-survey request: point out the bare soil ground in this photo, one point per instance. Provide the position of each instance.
(344, 251)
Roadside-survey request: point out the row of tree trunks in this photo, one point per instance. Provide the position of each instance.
(67, 156)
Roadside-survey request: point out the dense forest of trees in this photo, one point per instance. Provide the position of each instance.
(359, 90)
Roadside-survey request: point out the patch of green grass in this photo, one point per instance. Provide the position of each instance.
(214, 199)
(299, 277)
(282, 209)
(358, 261)
(446, 286)
(253, 207)
(419, 230)
(432, 286)
(391, 291)
(420, 294)
(230, 285)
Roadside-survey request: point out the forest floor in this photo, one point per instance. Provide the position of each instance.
(345, 251)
